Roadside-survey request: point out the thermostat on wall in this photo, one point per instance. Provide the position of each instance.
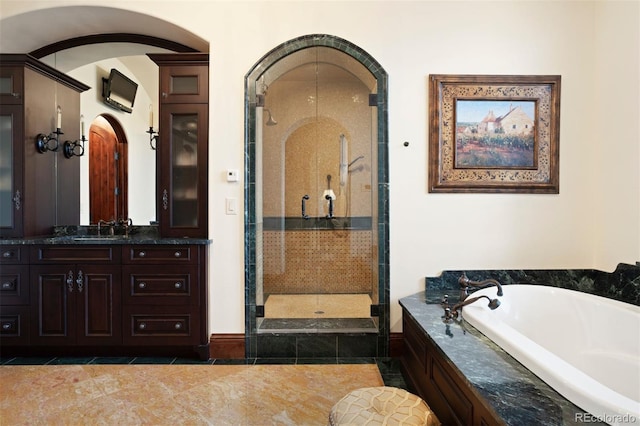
(232, 175)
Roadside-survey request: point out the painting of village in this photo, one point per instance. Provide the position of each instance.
(495, 134)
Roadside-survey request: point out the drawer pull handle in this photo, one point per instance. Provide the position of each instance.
(6, 326)
(178, 326)
(7, 254)
(177, 254)
(142, 326)
(142, 285)
(178, 284)
(7, 285)
(142, 254)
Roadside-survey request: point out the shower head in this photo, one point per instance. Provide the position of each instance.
(270, 120)
(354, 160)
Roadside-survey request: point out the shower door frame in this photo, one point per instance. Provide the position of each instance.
(253, 227)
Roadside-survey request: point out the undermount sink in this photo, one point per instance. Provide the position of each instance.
(98, 237)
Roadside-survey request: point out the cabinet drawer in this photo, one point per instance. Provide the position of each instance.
(14, 325)
(13, 255)
(75, 254)
(174, 254)
(154, 285)
(169, 325)
(14, 285)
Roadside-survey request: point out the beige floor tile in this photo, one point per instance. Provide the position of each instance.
(177, 394)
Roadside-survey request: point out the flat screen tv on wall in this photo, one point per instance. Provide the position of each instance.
(119, 91)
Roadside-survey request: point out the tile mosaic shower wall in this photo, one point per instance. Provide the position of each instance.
(312, 261)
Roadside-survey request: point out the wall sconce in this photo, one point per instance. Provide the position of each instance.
(43, 142)
(153, 135)
(75, 148)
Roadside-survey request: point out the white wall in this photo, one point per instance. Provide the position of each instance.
(593, 223)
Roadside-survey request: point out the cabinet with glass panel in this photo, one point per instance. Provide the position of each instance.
(38, 187)
(183, 144)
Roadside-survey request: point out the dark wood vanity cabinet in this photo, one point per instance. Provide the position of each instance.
(163, 295)
(182, 154)
(75, 295)
(31, 200)
(118, 299)
(14, 295)
(438, 383)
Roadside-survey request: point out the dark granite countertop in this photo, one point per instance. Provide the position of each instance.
(88, 235)
(515, 393)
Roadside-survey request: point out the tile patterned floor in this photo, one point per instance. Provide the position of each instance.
(318, 306)
(173, 391)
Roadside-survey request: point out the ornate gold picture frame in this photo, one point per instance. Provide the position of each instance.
(493, 133)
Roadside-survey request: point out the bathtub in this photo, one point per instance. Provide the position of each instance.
(585, 347)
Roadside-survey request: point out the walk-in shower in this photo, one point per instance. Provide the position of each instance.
(316, 274)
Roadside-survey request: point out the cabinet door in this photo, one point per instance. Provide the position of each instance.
(53, 292)
(11, 85)
(183, 160)
(98, 305)
(184, 84)
(11, 184)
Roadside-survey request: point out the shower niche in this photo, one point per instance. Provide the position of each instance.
(313, 199)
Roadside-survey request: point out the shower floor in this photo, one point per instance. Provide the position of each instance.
(317, 306)
(317, 313)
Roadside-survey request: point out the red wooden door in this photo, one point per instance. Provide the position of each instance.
(107, 173)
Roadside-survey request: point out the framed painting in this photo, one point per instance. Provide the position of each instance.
(492, 133)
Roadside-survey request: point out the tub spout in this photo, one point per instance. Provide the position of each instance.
(465, 283)
(451, 313)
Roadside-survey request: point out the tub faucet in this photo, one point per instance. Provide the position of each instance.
(452, 312)
(465, 283)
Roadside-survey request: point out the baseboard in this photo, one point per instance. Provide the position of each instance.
(232, 346)
(396, 345)
(227, 346)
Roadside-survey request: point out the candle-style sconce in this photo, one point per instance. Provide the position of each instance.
(44, 142)
(48, 142)
(153, 135)
(75, 148)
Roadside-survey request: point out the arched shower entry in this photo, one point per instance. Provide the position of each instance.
(316, 219)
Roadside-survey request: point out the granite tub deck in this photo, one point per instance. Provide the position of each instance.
(515, 394)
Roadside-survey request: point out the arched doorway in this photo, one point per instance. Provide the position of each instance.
(108, 160)
(316, 212)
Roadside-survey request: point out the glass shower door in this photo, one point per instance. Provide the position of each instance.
(315, 197)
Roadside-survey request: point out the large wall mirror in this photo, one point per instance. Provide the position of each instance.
(118, 168)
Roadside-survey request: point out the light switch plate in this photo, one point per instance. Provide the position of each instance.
(231, 205)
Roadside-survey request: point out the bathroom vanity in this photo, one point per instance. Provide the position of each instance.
(82, 294)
